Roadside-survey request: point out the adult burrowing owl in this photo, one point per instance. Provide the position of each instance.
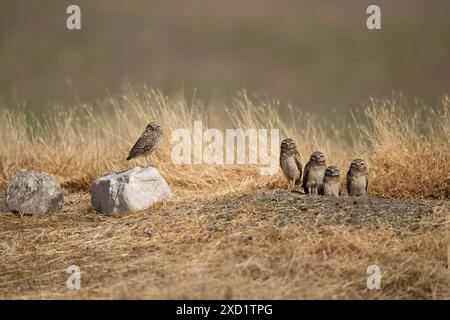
(148, 142)
(330, 185)
(357, 178)
(290, 162)
(314, 172)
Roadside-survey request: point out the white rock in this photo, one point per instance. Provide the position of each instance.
(127, 191)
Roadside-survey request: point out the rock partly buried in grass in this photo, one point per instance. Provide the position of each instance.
(34, 193)
(132, 190)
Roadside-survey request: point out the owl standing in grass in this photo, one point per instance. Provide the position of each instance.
(357, 178)
(148, 142)
(331, 185)
(290, 162)
(314, 173)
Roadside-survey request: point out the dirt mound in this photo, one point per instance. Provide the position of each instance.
(284, 207)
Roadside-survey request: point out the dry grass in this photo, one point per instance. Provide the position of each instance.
(184, 248)
(407, 148)
(225, 247)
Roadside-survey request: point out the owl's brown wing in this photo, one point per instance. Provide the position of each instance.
(306, 174)
(140, 146)
(321, 190)
(348, 182)
(281, 164)
(367, 181)
(299, 166)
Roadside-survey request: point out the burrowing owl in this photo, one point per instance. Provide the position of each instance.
(314, 172)
(357, 178)
(290, 162)
(148, 142)
(330, 185)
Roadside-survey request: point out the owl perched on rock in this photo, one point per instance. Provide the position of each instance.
(314, 173)
(148, 142)
(331, 184)
(357, 178)
(290, 162)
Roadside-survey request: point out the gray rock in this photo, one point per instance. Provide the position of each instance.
(34, 193)
(132, 190)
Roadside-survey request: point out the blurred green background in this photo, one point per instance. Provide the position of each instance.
(315, 55)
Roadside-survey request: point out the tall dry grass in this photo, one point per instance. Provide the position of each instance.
(407, 146)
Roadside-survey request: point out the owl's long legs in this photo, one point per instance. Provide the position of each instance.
(309, 190)
(149, 164)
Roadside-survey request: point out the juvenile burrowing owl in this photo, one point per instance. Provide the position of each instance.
(290, 162)
(314, 172)
(357, 178)
(148, 142)
(330, 185)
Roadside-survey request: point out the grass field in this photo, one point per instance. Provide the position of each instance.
(229, 232)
